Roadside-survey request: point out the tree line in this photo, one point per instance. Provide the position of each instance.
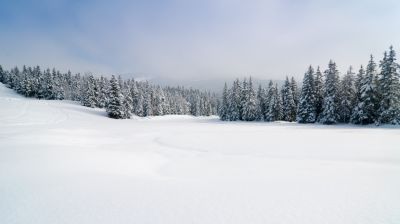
(370, 96)
(121, 98)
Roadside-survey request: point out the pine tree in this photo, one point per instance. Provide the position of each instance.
(295, 91)
(135, 97)
(158, 101)
(49, 85)
(89, 94)
(115, 107)
(358, 84)
(330, 113)
(26, 85)
(261, 98)
(223, 112)
(139, 110)
(103, 93)
(126, 101)
(319, 93)
(76, 87)
(250, 109)
(268, 98)
(16, 79)
(306, 112)
(196, 104)
(365, 110)
(289, 105)
(389, 111)
(234, 97)
(275, 105)
(58, 85)
(243, 98)
(67, 85)
(346, 96)
(147, 106)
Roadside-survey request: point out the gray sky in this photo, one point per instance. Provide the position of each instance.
(196, 40)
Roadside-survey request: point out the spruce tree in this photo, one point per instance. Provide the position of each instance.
(103, 93)
(223, 112)
(147, 105)
(295, 91)
(58, 85)
(365, 110)
(319, 93)
(243, 98)
(234, 101)
(26, 85)
(330, 113)
(389, 111)
(358, 84)
(275, 105)
(306, 112)
(262, 99)
(126, 101)
(135, 96)
(268, 98)
(158, 101)
(346, 96)
(115, 107)
(250, 104)
(289, 105)
(48, 85)
(89, 92)
(139, 109)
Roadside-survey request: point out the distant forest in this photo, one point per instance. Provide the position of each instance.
(120, 98)
(370, 96)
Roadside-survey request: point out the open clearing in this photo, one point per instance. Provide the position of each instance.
(64, 163)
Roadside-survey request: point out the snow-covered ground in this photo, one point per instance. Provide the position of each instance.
(64, 163)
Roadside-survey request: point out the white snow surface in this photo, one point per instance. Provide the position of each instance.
(64, 163)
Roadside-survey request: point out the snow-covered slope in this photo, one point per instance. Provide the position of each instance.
(64, 163)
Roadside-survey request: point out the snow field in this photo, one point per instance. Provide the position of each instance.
(64, 163)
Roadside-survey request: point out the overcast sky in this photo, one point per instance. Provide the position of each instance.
(196, 39)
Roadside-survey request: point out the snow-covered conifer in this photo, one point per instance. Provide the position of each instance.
(158, 101)
(306, 112)
(223, 111)
(262, 100)
(389, 110)
(295, 91)
(289, 105)
(126, 100)
(346, 96)
(319, 93)
(330, 113)
(234, 97)
(147, 105)
(89, 92)
(250, 104)
(115, 108)
(103, 92)
(365, 110)
(275, 104)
